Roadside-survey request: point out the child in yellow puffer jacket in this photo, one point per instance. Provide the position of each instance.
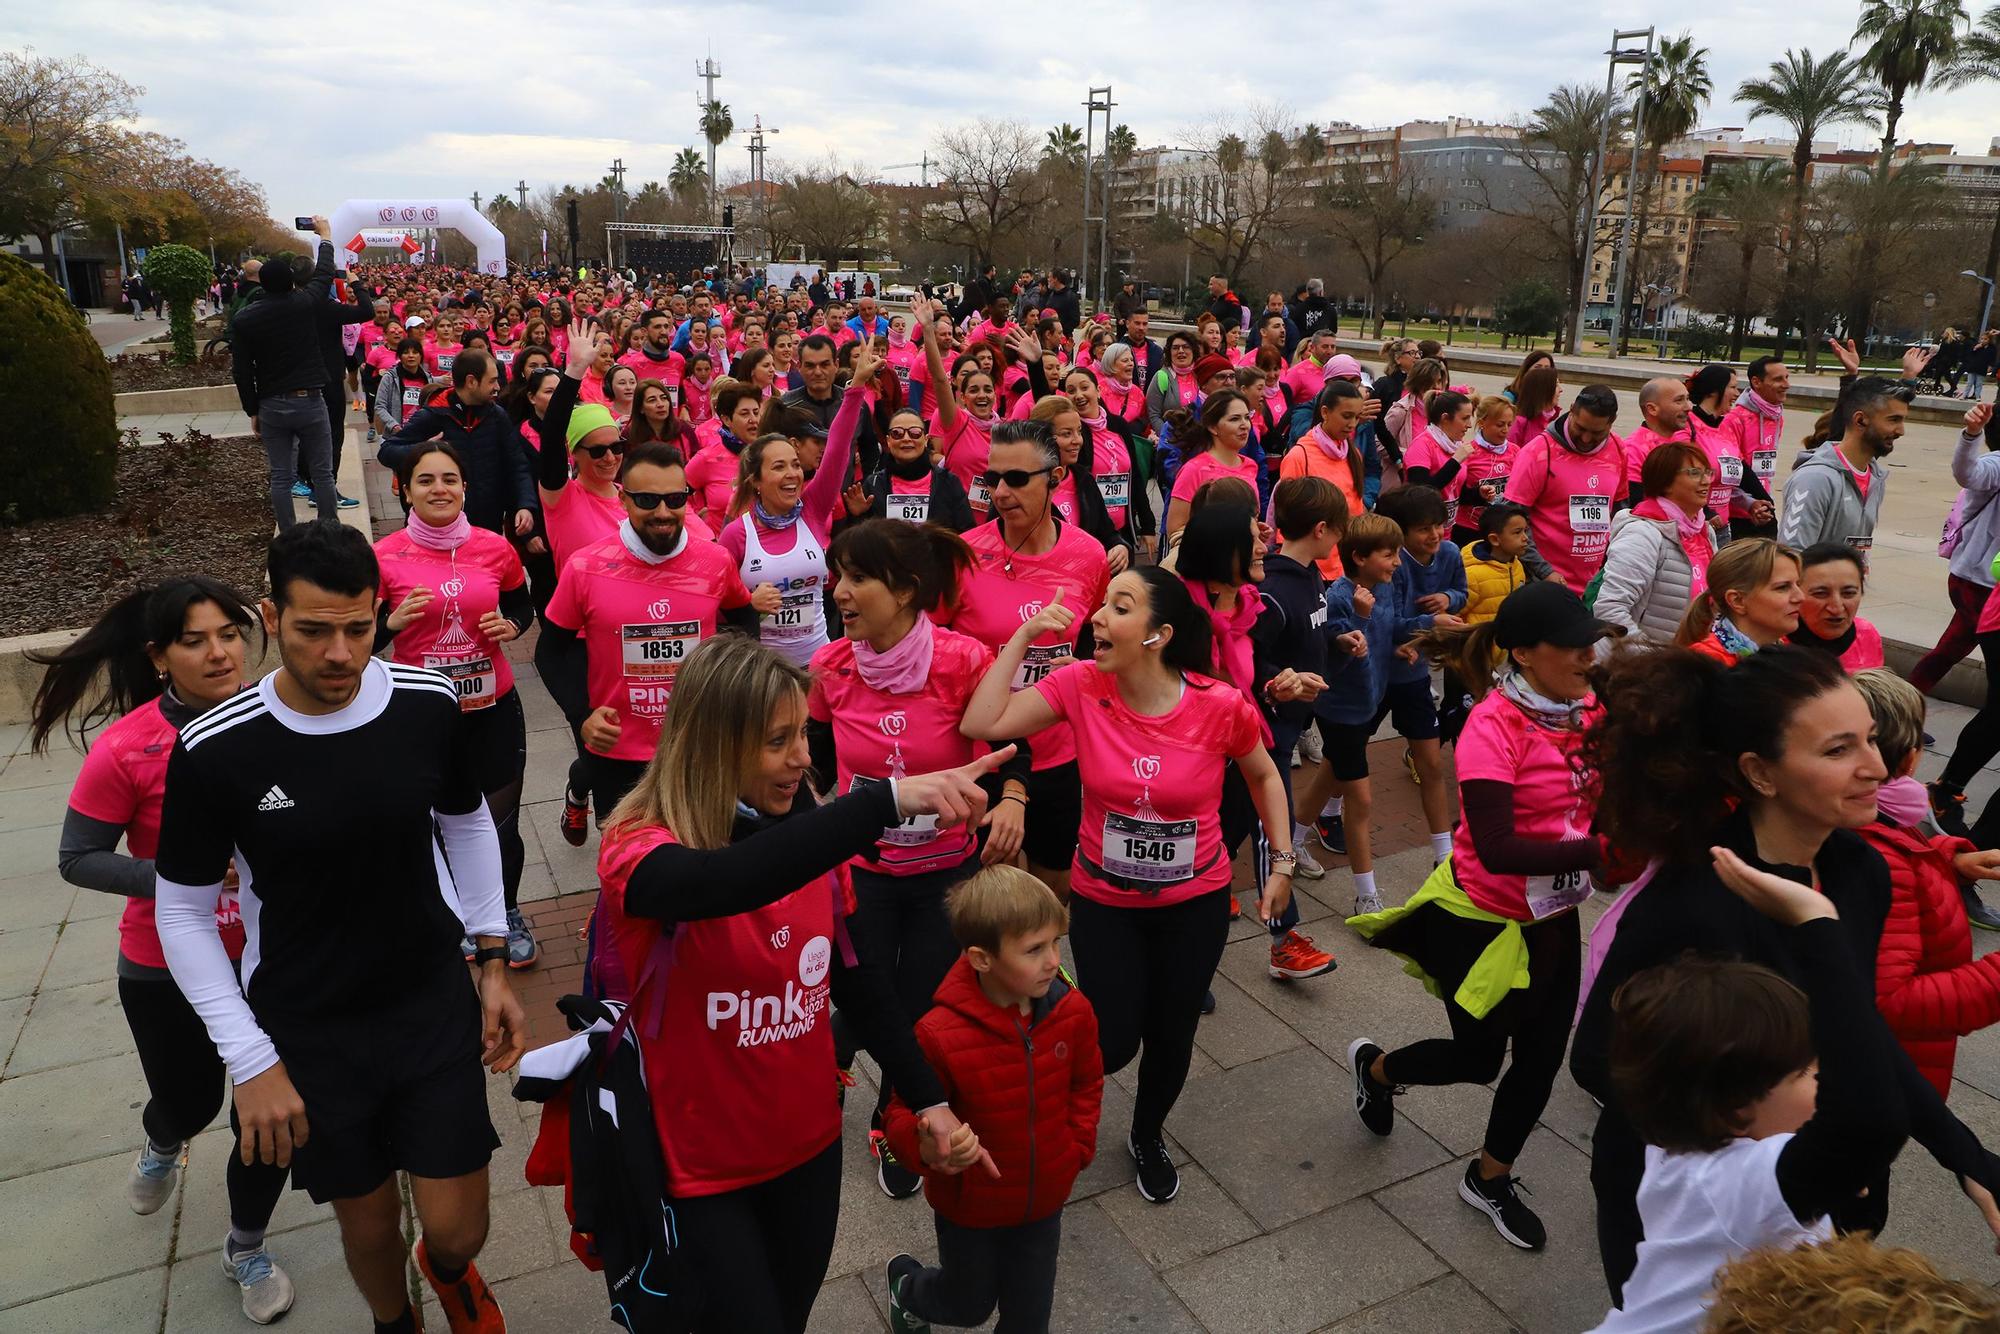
(1493, 564)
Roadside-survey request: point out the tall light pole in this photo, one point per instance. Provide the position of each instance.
(1986, 311)
(758, 129)
(708, 72)
(1617, 55)
(522, 190)
(1098, 104)
(1631, 183)
(617, 206)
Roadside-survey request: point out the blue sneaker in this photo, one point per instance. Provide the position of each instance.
(347, 502)
(267, 1289)
(152, 1179)
(303, 490)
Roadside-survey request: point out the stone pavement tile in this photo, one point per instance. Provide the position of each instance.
(1978, 1062)
(33, 807)
(57, 768)
(1929, 1213)
(91, 904)
(129, 1303)
(205, 1199)
(24, 849)
(537, 883)
(844, 1306)
(1198, 1221)
(1276, 1135)
(542, 712)
(1200, 1065)
(72, 1115)
(12, 1015)
(69, 1026)
(556, 1300)
(1242, 1030)
(65, 1228)
(1447, 1305)
(202, 1299)
(1294, 1279)
(87, 952)
(1560, 1289)
(24, 954)
(574, 869)
(1102, 1280)
(521, 1238)
(40, 899)
(548, 769)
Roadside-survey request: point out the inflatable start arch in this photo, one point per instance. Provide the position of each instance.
(458, 214)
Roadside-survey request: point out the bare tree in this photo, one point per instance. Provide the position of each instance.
(1246, 198)
(822, 207)
(1377, 219)
(990, 186)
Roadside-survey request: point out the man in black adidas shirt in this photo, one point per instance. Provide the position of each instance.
(355, 1040)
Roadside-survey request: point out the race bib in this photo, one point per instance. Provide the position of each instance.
(910, 509)
(1730, 473)
(475, 679)
(794, 617)
(1861, 544)
(413, 398)
(1551, 894)
(1493, 488)
(1115, 487)
(1039, 663)
(977, 493)
(505, 356)
(445, 359)
(915, 830)
(655, 652)
(1590, 514)
(1158, 852)
(1764, 462)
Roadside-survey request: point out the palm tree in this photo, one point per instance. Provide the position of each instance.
(1751, 196)
(1311, 146)
(1978, 61)
(716, 127)
(1907, 41)
(1811, 96)
(1121, 145)
(687, 176)
(1063, 146)
(1673, 86)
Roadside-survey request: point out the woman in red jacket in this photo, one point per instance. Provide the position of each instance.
(1928, 986)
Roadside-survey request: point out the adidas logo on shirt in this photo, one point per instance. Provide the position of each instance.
(275, 800)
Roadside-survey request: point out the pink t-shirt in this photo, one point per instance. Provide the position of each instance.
(1151, 814)
(878, 735)
(639, 622)
(712, 475)
(1430, 448)
(1866, 650)
(1488, 467)
(1641, 443)
(1725, 459)
(576, 517)
(1569, 498)
(905, 361)
(1111, 467)
(1502, 744)
(1205, 467)
(965, 452)
(1127, 402)
(122, 782)
(667, 368)
(465, 585)
(1756, 438)
(1007, 588)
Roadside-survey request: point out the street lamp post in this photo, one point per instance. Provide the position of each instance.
(1985, 311)
(1617, 55)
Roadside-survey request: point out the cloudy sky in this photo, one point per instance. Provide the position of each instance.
(321, 103)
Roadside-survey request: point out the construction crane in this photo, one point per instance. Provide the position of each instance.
(923, 169)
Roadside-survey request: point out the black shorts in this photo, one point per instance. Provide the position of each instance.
(1410, 709)
(610, 780)
(1055, 809)
(397, 1088)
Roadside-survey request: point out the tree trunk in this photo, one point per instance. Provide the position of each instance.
(49, 264)
(1741, 320)
(1634, 266)
(1992, 268)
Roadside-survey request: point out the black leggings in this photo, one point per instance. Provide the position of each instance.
(1535, 1020)
(1145, 971)
(186, 1081)
(1980, 741)
(899, 923)
(497, 740)
(762, 1251)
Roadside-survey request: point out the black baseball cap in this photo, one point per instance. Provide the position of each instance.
(1547, 613)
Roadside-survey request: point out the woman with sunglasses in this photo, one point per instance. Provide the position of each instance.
(1175, 387)
(1024, 558)
(909, 483)
(785, 522)
(964, 427)
(452, 597)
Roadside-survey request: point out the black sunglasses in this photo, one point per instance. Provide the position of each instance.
(651, 500)
(1015, 478)
(599, 451)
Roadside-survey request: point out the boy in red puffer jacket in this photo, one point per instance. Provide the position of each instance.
(1929, 988)
(1016, 1047)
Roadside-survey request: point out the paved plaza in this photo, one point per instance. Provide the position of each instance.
(1291, 1217)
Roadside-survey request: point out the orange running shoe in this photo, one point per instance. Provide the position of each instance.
(469, 1306)
(1296, 957)
(1235, 908)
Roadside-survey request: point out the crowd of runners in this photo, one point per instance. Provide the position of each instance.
(897, 645)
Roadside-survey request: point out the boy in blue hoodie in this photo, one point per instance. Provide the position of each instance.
(1364, 624)
(1430, 582)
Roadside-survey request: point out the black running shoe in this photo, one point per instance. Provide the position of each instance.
(1159, 1179)
(903, 1270)
(1497, 1200)
(897, 1181)
(1332, 834)
(1374, 1102)
(1948, 809)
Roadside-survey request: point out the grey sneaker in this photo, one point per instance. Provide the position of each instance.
(1364, 904)
(1308, 865)
(522, 951)
(267, 1289)
(152, 1180)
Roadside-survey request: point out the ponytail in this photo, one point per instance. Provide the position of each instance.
(1468, 650)
(1744, 566)
(149, 617)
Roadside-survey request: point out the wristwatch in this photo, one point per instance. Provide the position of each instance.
(486, 954)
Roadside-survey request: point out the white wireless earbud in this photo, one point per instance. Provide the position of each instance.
(1148, 643)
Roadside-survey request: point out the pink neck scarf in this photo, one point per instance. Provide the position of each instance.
(1903, 801)
(903, 668)
(1333, 449)
(1692, 530)
(1768, 411)
(1233, 659)
(448, 538)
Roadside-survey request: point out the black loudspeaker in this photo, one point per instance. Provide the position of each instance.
(678, 254)
(571, 210)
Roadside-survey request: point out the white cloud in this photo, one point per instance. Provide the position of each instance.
(320, 104)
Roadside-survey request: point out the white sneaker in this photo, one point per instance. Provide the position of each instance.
(1310, 748)
(267, 1289)
(1365, 904)
(1308, 865)
(150, 1184)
